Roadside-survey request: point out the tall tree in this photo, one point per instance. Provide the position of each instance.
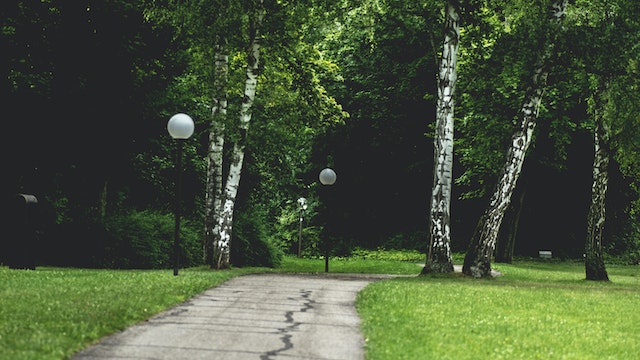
(222, 249)
(209, 28)
(477, 262)
(215, 153)
(594, 262)
(439, 247)
(610, 31)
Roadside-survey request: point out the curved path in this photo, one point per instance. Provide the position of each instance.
(263, 316)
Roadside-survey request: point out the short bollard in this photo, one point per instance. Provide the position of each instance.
(23, 242)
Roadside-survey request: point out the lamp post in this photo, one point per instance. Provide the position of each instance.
(327, 177)
(302, 206)
(180, 127)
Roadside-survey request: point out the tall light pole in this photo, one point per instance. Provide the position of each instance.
(302, 206)
(180, 127)
(327, 177)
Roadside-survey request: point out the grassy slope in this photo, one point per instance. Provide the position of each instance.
(535, 311)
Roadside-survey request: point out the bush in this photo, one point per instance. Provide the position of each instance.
(251, 244)
(144, 240)
(286, 234)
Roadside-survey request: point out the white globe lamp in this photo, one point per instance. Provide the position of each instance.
(327, 177)
(180, 126)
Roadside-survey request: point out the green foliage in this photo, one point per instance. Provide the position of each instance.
(286, 230)
(144, 240)
(353, 80)
(385, 60)
(251, 244)
(497, 51)
(623, 113)
(612, 29)
(623, 243)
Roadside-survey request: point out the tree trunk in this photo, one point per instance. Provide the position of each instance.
(477, 262)
(509, 230)
(594, 262)
(439, 251)
(222, 249)
(213, 191)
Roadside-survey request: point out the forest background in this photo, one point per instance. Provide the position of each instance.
(88, 87)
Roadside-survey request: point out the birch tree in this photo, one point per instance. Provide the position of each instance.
(209, 26)
(594, 262)
(609, 31)
(477, 262)
(505, 244)
(222, 248)
(612, 30)
(213, 186)
(439, 249)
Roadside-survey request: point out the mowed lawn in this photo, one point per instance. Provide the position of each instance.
(536, 310)
(51, 313)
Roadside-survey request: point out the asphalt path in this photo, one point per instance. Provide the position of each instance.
(263, 316)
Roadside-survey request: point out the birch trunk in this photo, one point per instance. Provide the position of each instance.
(222, 248)
(213, 191)
(477, 262)
(439, 251)
(509, 230)
(594, 263)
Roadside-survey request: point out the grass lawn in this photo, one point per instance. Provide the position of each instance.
(51, 313)
(536, 311)
(375, 262)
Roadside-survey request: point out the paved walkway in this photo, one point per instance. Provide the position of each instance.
(265, 316)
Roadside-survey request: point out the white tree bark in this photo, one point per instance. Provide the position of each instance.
(439, 250)
(222, 249)
(477, 262)
(213, 188)
(594, 262)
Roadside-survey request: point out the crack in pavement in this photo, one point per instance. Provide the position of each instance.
(285, 332)
(258, 316)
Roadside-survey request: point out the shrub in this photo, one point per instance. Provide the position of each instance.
(144, 240)
(286, 234)
(251, 244)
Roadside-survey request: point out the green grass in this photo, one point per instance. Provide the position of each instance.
(536, 311)
(357, 265)
(51, 313)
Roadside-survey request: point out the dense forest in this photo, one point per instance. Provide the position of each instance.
(88, 87)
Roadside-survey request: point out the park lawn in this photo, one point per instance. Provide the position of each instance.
(51, 313)
(537, 310)
(388, 263)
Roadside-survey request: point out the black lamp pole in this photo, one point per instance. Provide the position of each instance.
(176, 231)
(327, 177)
(180, 127)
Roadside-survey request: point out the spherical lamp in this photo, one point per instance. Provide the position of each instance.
(327, 177)
(180, 126)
